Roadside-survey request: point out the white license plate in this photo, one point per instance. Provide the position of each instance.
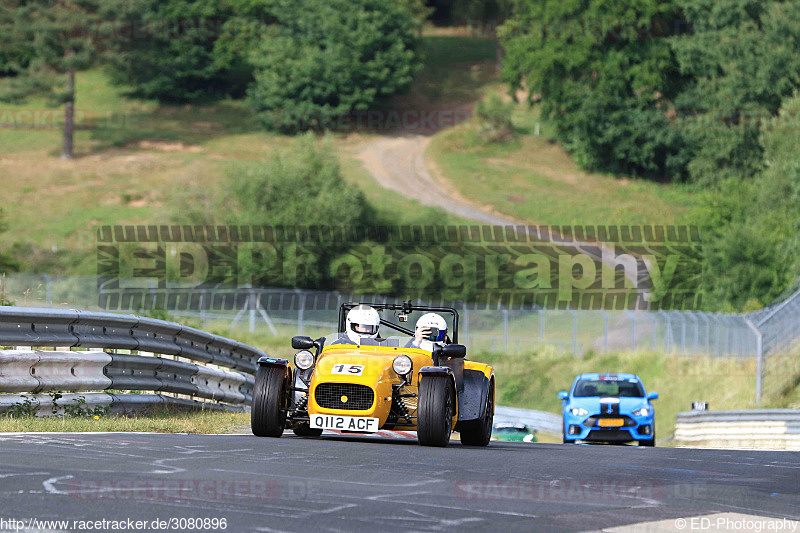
(361, 424)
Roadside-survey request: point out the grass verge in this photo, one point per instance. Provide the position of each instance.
(157, 421)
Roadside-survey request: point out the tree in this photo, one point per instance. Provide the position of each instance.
(752, 227)
(183, 50)
(52, 35)
(326, 58)
(606, 77)
(742, 59)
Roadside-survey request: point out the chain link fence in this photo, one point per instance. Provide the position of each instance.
(765, 335)
(498, 329)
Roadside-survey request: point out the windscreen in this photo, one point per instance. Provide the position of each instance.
(613, 388)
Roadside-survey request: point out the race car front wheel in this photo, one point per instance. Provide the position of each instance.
(435, 409)
(479, 432)
(268, 414)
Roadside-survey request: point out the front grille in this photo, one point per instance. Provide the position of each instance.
(329, 396)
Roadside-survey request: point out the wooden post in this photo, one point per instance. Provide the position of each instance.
(67, 151)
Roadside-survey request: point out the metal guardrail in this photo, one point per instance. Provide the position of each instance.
(38, 371)
(117, 404)
(762, 428)
(539, 420)
(21, 326)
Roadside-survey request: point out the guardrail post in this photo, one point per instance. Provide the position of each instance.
(759, 359)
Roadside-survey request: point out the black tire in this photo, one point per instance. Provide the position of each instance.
(436, 405)
(304, 430)
(479, 432)
(268, 414)
(651, 442)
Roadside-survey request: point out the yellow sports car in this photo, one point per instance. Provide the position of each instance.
(357, 381)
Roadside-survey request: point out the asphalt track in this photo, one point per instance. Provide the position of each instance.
(347, 483)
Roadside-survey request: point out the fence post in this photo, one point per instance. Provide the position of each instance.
(574, 332)
(300, 312)
(505, 330)
(605, 330)
(541, 325)
(251, 305)
(759, 359)
(654, 333)
(464, 326)
(633, 329)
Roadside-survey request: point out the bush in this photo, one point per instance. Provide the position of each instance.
(494, 117)
(326, 58)
(300, 186)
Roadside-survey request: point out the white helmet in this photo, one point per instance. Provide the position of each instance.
(362, 321)
(432, 320)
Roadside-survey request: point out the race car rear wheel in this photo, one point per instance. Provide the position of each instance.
(304, 430)
(436, 406)
(268, 414)
(479, 432)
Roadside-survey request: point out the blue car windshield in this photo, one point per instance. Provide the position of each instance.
(628, 388)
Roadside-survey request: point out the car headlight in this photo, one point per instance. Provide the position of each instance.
(644, 411)
(303, 360)
(402, 365)
(579, 411)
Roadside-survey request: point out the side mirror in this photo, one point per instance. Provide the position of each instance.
(652, 396)
(302, 343)
(563, 395)
(453, 351)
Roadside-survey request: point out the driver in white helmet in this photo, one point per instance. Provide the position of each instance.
(362, 322)
(430, 328)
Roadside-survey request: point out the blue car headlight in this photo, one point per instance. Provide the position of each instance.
(643, 411)
(578, 411)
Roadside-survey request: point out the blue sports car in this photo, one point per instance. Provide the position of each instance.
(608, 408)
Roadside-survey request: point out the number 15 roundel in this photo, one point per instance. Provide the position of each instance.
(352, 370)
